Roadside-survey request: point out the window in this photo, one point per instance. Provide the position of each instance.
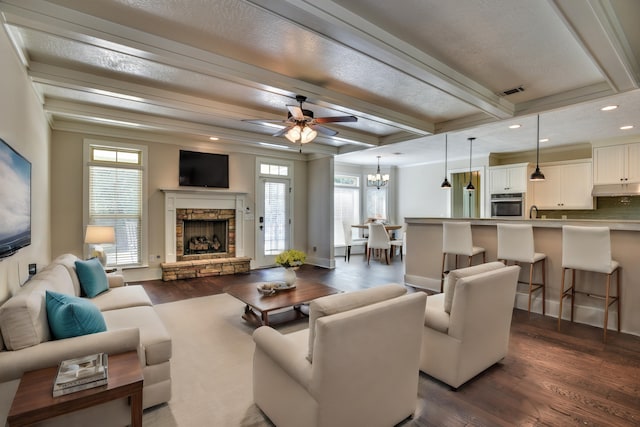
(346, 202)
(115, 196)
(377, 203)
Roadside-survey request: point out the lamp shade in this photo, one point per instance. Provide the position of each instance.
(98, 234)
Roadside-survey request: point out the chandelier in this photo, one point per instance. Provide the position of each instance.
(377, 180)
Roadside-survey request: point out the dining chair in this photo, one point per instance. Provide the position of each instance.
(349, 241)
(398, 241)
(589, 249)
(378, 239)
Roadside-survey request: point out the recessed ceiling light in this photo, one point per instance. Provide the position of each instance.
(214, 138)
(544, 140)
(609, 108)
(626, 127)
(515, 126)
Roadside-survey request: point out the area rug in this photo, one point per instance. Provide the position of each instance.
(211, 367)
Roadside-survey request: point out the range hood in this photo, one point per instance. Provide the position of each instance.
(616, 190)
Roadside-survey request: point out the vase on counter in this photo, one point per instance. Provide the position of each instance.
(290, 276)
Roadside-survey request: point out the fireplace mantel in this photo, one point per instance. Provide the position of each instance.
(200, 198)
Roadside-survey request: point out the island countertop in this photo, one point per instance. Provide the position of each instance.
(423, 263)
(613, 224)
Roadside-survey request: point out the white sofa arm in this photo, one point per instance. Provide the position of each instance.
(284, 353)
(115, 280)
(14, 363)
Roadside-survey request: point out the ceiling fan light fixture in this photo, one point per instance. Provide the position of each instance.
(293, 134)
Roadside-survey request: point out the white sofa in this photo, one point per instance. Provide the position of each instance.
(356, 365)
(466, 328)
(132, 324)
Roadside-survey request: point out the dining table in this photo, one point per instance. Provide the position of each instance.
(388, 227)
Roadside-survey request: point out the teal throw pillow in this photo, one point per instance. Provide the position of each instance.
(71, 316)
(93, 279)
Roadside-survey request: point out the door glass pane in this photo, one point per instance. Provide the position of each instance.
(275, 217)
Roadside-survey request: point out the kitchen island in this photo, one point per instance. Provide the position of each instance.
(424, 261)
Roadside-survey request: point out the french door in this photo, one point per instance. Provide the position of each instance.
(273, 222)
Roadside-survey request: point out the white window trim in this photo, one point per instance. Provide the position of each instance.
(86, 156)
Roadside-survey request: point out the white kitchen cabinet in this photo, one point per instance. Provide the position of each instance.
(616, 164)
(508, 179)
(566, 186)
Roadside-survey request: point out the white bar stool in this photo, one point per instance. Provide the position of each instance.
(515, 243)
(588, 249)
(457, 240)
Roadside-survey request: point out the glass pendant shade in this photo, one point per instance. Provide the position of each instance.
(301, 133)
(537, 175)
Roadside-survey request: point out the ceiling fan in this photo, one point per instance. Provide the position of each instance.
(301, 126)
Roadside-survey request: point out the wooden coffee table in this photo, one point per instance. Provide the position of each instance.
(34, 402)
(304, 292)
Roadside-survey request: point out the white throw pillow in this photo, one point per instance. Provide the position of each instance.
(454, 275)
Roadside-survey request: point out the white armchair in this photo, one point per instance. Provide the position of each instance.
(357, 364)
(466, 328)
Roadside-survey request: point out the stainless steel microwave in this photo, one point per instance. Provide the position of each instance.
(507, 205)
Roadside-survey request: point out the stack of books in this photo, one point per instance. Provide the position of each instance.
(81, 373)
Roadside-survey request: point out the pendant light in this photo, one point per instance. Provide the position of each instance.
(470, 186)
(537, 175)
(445, 184)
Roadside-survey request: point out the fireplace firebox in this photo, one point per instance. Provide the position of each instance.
(205, 234)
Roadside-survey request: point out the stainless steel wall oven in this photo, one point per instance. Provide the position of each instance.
(508, 205)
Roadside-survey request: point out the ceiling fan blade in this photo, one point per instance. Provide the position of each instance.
(323, 130)
(282, 131)
(338, 119)
(261, 121)
(296, 112)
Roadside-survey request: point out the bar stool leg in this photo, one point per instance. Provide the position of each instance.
(444, 257)
(562, 292)
(530, 287)
(544, 284)
(618, 293)
(606, 308)
(573, 290)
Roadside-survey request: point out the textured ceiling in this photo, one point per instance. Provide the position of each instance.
(409, 71)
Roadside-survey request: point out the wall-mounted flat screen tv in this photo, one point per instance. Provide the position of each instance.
(204, 169)
(15, 201)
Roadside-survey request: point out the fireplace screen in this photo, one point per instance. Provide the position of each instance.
(205, 236)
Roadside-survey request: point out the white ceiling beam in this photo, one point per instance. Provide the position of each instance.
(336, 23)
(596, 28)
(83, 28)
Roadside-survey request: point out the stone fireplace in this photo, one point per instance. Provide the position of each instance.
(203, 234)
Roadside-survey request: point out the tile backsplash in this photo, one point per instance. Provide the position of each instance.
(625, 207)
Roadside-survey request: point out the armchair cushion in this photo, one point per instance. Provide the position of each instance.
(334, 304)
(93, 278)
(454, 275)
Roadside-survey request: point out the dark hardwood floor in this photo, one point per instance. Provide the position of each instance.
(549, 378)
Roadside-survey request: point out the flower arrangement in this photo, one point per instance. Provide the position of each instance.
(291, 258)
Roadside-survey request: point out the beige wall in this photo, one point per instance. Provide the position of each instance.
(67, 193)
(320, 205)
(24, 127)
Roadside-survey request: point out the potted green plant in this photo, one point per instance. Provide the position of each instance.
(290, 259)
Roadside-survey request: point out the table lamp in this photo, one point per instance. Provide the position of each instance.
(98, 235)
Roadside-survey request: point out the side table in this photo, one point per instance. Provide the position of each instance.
(34, 401)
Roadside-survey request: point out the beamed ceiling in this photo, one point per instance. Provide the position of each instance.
(410, 71)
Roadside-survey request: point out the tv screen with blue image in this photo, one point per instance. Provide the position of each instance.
(15, 200)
